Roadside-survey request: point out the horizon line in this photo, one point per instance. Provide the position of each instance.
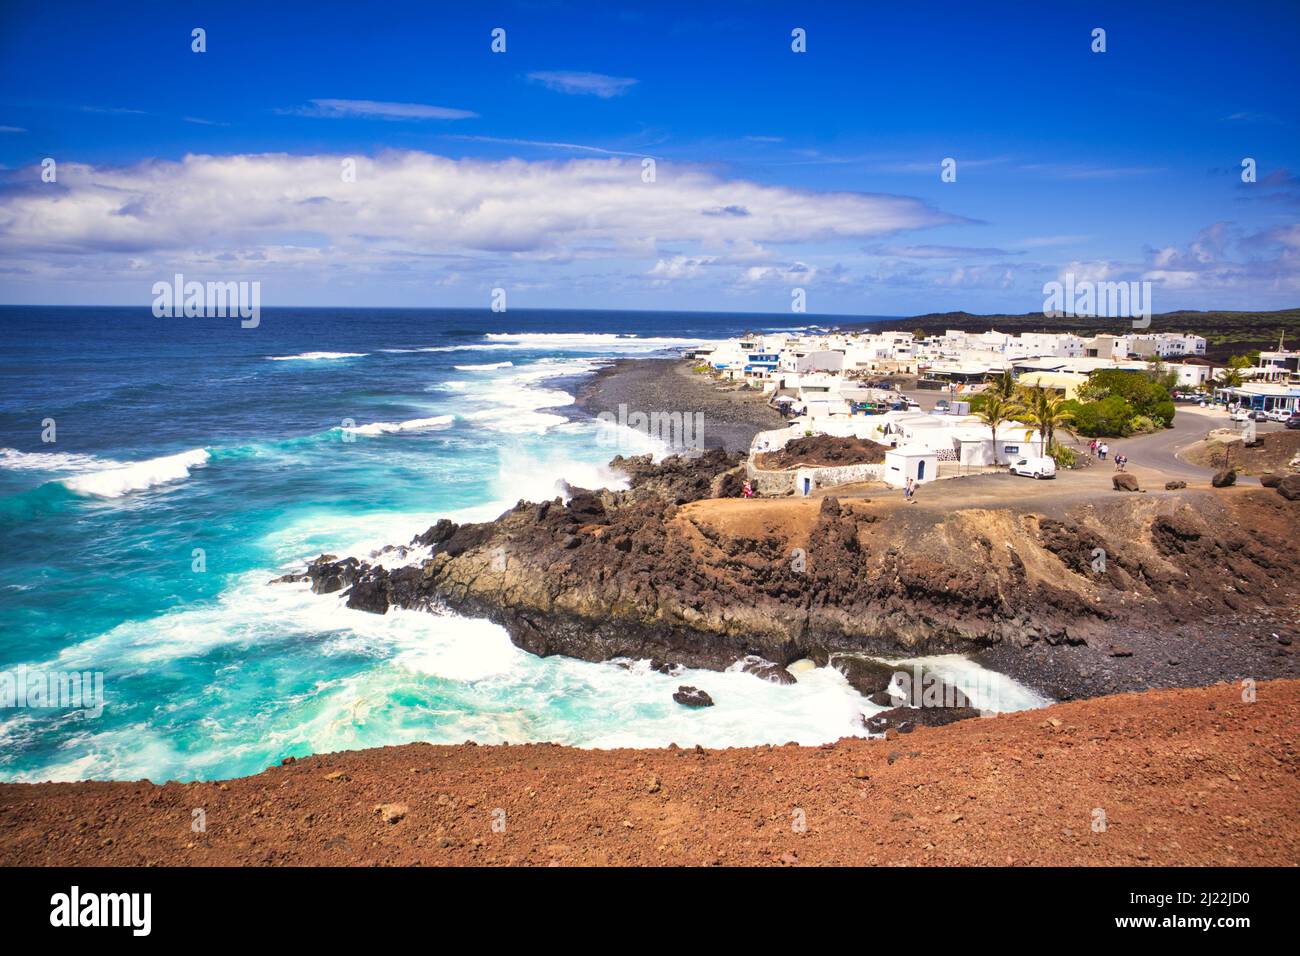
(804, 315)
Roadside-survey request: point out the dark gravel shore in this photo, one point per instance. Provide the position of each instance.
(731, 418)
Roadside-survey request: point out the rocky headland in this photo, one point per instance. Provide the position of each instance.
(1193, 588)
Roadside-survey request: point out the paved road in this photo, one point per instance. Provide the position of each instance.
(1191, 424)
(1159, 450)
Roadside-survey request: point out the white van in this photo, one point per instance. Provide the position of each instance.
(1034, 467)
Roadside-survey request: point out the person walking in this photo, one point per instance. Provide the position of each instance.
(1102, 449)
(747, 490)
(1092, 448)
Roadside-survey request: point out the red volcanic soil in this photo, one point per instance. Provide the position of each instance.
(1183, 777)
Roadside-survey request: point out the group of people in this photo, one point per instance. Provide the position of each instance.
(1101, 450)
(909, 490)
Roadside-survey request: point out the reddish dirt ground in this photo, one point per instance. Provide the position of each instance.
(1183, 777)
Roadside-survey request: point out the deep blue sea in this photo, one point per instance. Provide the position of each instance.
(194, 460)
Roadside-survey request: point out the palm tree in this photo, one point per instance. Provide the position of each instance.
(996, 410)
(1046, 409)
(1231, 378)
(1004, 386)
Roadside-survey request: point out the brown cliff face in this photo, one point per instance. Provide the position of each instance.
(663, 572)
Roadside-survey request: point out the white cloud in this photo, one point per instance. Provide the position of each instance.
(410, 209)
(1217, 260)
(680, 267)
(548, 144)
(588, 84)
(376, 109)
(1096, 270)
(794, 273)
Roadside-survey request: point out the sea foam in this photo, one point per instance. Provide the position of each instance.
(138, 475)
(17, 460)
(390, 428)
(315, 356)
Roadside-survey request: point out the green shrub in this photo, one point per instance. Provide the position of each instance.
(1108, 417)
(1164, 411)
(1064, 457)
(1146, 394)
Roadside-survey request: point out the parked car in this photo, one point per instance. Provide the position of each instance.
(1293, 421)
(1277, 415)
(913, 405)
(1240, 415)
(941, 407)
(1034, 467)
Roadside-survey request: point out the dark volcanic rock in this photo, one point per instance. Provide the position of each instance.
(370, 593)
(437, 534)
(1289, 487)
(768, 670)
(1175, 485)
(825, 450)
(903, 719)
(692, 697)
(1124, 481)
(680, 479)
(586, 506)
(1224, 477)
(926, 690)
(1271, 479)
(328, 576)
(864, 675)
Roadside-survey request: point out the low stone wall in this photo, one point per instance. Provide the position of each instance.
(790, 482)
(770, 484)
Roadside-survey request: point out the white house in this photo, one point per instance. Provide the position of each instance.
(911, 461)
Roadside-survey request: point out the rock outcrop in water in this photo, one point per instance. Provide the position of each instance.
(665, 570)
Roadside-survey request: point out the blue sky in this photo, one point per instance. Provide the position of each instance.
(773, 169)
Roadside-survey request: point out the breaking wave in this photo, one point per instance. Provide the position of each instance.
(316, 356)
(389, 428)
(137, 475)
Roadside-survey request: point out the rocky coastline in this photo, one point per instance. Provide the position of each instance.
(679, 570)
